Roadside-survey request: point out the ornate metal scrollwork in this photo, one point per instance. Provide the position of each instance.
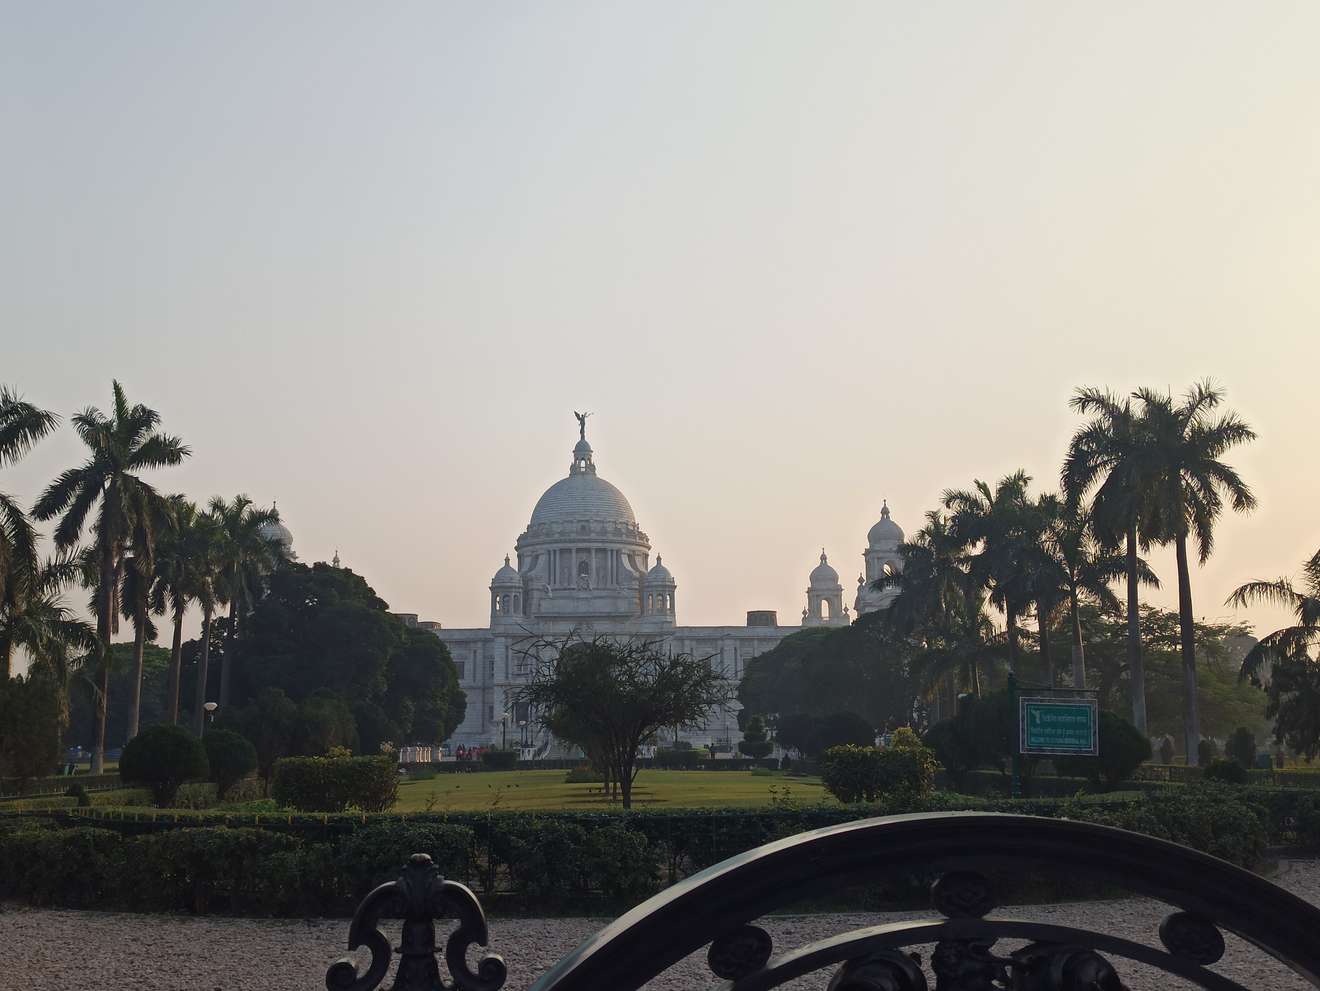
(962, 895)
(420, 896)
(1055, 967)
(739, 953)
(1192, 937)
(887, 970)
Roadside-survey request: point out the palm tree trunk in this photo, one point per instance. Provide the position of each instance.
(176, 661)
(1136, 666)
(139, 648)
(1011, 615)
(199, 713)
(229, 649)
(1187, 632)
(6, 658)
(1078, 649)
(104, 607)
(1046, 654)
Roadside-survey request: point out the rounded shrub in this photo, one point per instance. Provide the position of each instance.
(162, 758)
(1226, 771)
(1241, 747)
(499, 760)
(1123, 748)
(333, 784)
(231, 757)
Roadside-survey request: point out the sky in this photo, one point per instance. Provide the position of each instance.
(797, 258)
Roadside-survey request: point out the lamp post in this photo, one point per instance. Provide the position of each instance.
(504, 731)
(210, 708)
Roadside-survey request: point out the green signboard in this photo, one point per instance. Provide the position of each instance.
(1058, 727)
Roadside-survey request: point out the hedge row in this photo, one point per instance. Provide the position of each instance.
(667, 762)
(321, 865)
(57, 784)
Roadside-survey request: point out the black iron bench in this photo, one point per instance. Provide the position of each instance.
(717, 908)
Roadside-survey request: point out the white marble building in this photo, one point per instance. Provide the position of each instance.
(583, 564)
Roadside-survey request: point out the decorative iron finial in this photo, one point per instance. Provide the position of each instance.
(421, 896)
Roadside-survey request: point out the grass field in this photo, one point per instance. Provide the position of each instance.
(545, 790)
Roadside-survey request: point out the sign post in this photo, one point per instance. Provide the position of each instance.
(1058, 727)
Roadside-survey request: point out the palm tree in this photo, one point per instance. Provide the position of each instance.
(1290, 642)
(932, 582)
(998, 522)
(33, 617)
(1113, 456)
(246, 556)
(122, 444)
(21, 426)
(965, 645)
(1087, 573)
(205, 586)
(175, 552)
(1188, 496)
(142, 595)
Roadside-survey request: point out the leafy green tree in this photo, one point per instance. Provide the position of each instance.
(1241, 747)
(933, 582)
(1191, 484)
(1294, 703)
(162, 758)
(1123, 748)
(999, 524)
(121, 446)
(624, 691)
(863, 668)
(755, 743)
(270, 722)
(230, 757)
(1295, 642)
(318, 627)
(31, 710)
(244, 558)
(325, 721)
(1112, 456)
(82, 695)
(422, 698)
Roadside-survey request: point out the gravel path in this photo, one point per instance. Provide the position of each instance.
(51, 950)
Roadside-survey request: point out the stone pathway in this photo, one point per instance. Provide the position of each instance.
(53, 950)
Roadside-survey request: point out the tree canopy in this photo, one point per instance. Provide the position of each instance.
(609, 696)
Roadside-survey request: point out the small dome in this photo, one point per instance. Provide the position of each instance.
(275, 532)
(822, 575)
(507, 575)
(886, 533)
(659, 574)
(582, 450)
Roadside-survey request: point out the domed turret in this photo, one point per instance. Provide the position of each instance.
(882, 558)
(659, 574)
(507, 575)
(275, 532)
(886, 534)
(658, 596)
(506, 594)
(824, 596)
(822, 575)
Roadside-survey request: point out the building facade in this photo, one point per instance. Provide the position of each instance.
(583, 566)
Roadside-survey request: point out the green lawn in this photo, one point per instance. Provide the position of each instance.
(544, 790)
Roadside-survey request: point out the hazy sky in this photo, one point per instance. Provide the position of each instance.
(797, 257)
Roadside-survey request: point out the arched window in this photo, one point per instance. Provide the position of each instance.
(495, 604)
(504, 603)
(650, 603)
(824, 608)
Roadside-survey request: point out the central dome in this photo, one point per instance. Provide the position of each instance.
(583, 497)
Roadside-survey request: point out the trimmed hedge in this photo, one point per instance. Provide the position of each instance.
(333, 784)
(300, 865)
